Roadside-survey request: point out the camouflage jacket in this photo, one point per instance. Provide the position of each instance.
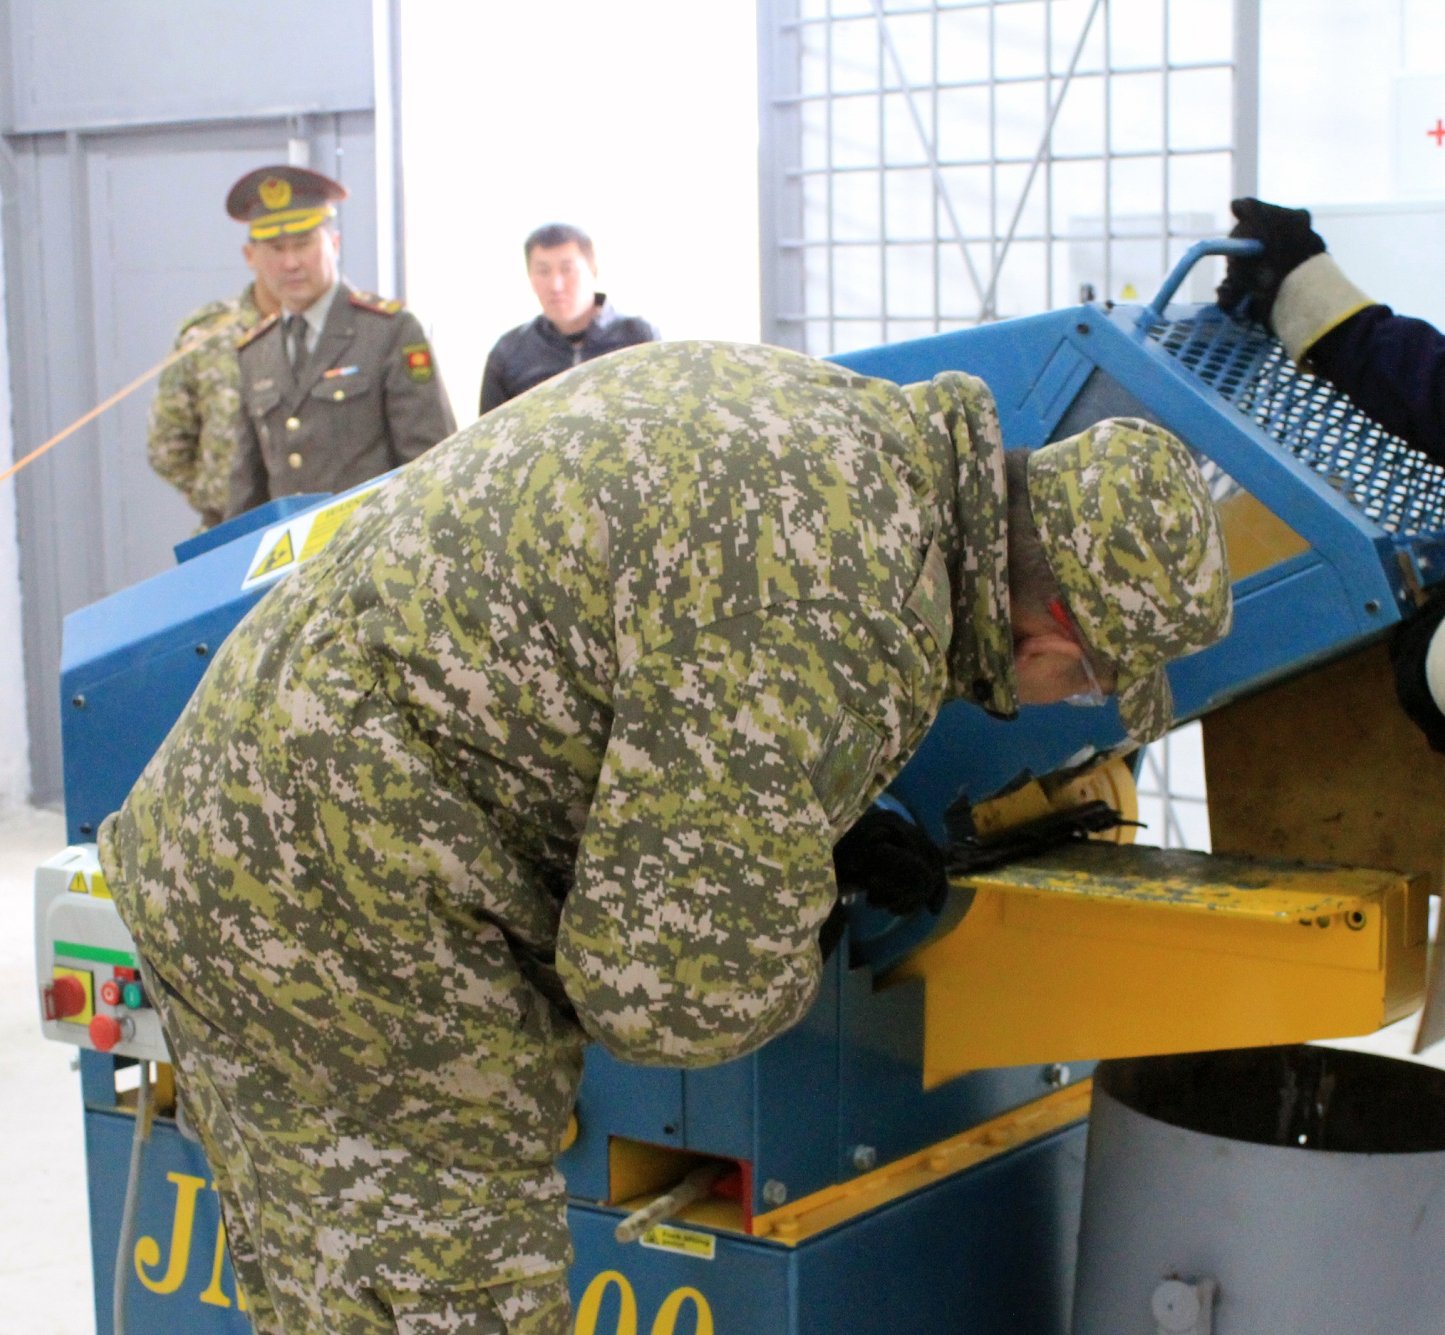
(196, 413)
(579, 701)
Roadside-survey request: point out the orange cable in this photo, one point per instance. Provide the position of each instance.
(101, 407)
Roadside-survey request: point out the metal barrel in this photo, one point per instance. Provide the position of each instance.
(1285, 1189)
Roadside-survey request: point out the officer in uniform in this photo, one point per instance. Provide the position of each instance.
(553, 742)
(339, 386)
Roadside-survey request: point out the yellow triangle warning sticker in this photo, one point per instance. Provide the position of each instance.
(77, 884)
(282, 554)
(325, 523)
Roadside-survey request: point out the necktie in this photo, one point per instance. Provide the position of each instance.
(296, 341)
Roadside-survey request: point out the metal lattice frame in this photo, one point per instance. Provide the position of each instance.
(1397, 487)
(929, 164)
(932, 164)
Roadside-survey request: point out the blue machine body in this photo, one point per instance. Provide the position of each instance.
(848, 1076)
(978, 1252)
(1371, 511)
(128, 664)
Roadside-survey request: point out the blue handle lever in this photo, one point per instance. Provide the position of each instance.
(1153, 313)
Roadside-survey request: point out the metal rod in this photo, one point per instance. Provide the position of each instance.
(693, 1187)
(1245, 174)
(929, 148)
(1165, 158)
(991, 296)
(1166, 798)
(829, 209)
(1153, 313)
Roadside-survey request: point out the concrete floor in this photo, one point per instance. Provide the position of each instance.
(45, 1286)
(45, 1283)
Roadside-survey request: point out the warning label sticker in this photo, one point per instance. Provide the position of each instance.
(326, 522)
(94, 886)
(687, 1241)
(287, 545)
(280, 556)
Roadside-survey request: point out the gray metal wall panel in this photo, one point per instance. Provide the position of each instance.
(159, 247)
(61, 544)
(79, 63)
(780, 197)
(112, 236)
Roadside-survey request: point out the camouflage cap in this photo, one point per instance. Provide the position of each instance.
(1134, 541)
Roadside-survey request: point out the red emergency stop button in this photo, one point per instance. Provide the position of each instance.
(65, 997)
(106, 1031)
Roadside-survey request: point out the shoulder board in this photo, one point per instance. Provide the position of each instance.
(251, 335)
(206, 314)
(369, 301)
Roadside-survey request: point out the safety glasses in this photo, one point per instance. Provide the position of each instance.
(1096, 694)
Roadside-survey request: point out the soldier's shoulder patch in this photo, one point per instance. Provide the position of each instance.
(252, 334)
(369, 301)
(417, 357)
(210, 311)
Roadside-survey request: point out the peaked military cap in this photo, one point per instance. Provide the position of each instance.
(1133, 538)
(283, 200)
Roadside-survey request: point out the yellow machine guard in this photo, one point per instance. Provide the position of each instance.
(1100, 950)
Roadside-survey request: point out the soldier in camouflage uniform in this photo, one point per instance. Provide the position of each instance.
(552, 743)
(196, 412)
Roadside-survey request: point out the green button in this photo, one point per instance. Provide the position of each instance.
(133, 996)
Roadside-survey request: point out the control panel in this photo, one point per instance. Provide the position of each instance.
(91, 993)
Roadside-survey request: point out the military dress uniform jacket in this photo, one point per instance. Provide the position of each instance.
(555, 738)
(196, 414)
(366, 399)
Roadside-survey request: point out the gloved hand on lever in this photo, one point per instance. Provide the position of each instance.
(1251, 283)
(1294, 286)
(892, 862)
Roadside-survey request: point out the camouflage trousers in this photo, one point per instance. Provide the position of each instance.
(331, 1229)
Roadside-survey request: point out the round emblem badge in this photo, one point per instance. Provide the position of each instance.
(275, 193)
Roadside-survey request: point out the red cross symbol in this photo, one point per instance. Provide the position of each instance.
(1438, 133)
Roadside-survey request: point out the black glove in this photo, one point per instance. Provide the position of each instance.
(1408, 651)
(893, 862)
(831, 932)
(1251, 283)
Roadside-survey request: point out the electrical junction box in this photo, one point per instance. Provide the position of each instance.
(86, 964)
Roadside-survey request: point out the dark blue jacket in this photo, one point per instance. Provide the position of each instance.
(1392, 367)
(534, 352)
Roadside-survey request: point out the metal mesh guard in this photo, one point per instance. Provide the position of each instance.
(1400, 489)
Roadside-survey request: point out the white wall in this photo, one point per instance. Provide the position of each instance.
(637, 120)
(1329, 141)
(1328, 69)
(634, 119)
(14, 739)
